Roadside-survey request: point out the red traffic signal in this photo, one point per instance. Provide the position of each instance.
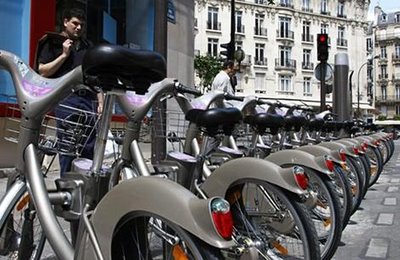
(322, 47)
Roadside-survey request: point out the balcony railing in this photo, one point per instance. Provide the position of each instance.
(342, 42)
(285, 64)
(286, 4)
(246, 61)
(307, 9)
(325, 12)
(285, 34)
(383, 76)
(307, 65)
(260, 61)
(396, 58)
(260, 31)
(387, 36)
(341, 15)
(396, 77)
(214, 26)
(387, 98)
(307, 38)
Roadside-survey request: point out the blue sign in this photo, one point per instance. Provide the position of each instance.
(171, 11)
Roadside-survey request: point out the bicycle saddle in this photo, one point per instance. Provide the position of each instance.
(315, 124)
(112, 66)
(295, 122)
(215, 120)
(261, 121)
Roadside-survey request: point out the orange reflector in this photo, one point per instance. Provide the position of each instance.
(283, 250)
(22, 203)
(327, 222)
(178, 253)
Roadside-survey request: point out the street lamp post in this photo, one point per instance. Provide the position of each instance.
(358, 83)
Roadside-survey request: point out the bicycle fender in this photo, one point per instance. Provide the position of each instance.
(317, 151)
(158, 196)
(337, 146)
(296, 157)
(246, 168)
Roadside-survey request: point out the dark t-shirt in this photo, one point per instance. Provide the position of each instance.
(53, 48)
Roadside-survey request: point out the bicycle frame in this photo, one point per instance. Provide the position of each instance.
(37, 96)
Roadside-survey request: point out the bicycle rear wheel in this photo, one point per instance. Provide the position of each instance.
(147, 236)
(21, 236)
(273, 218)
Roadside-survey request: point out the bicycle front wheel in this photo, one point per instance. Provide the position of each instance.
(21, 236)
(147, 236)
(274, 220)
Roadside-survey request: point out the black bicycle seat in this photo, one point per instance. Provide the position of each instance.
(315, 124)
(262, 121)
(112, 66)
(215, 120)
(295, 122)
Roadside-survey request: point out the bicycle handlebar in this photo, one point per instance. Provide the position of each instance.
(228, 96)
(184, 89)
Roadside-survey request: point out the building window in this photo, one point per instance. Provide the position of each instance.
(397, 92)
(383, 72)
(239, 25)
(383, 52)
(212, 47)
(285, 83)
(324, 7)
(307, 86)
(397, 110)
(369, 44)
(212, 23)
(341, 39)
(286, 3)
(340, 9)
(306, 6)
(307, 37)
(259, 58)
(384, 92)
(397, 18)
(324, 28)
(284, 27)
(383, 110)
(307, 59)
(383, 18)
(259, 83)
(259, 22)
(285, 55)
(397, 51)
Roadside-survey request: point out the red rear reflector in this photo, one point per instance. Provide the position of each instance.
(300, 177)
(222, 218)
(329, 164)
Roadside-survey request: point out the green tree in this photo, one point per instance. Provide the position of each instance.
(207, 67)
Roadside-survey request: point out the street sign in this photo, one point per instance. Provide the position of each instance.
(328, 71)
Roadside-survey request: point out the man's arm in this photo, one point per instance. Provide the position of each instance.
(48, 69)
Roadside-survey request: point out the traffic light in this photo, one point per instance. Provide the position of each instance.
(322, 46)
(230, 50)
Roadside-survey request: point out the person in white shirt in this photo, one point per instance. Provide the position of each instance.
(222, 80)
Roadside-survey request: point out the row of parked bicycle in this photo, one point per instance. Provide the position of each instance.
(287, 191)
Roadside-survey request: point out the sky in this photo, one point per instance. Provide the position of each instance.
(387, 6)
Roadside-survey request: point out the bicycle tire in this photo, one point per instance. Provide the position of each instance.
(138, 237)
(327, 213)
(276, 237)
(21, 238)
(355, 180)
(375, 158)
(345, 196)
